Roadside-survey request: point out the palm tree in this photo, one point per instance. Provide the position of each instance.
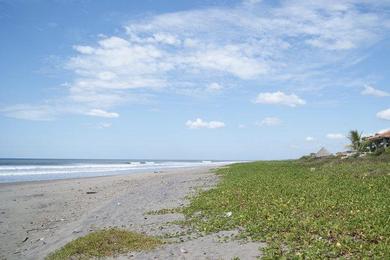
(356, 140)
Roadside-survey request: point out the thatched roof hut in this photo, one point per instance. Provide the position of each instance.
(322, 153)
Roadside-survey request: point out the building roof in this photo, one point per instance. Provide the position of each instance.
(322, 153)
(377, 136)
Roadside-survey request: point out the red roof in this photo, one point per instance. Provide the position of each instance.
(385, 134)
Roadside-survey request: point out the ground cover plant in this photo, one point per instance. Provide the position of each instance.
(316, 208)
(107, 242)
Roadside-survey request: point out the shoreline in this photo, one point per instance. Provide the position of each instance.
(145, 172)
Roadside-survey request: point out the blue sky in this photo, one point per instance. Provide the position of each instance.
(191, 79)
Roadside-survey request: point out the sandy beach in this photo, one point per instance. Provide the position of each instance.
(37, 218)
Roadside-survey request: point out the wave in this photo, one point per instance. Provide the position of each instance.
(20, 170)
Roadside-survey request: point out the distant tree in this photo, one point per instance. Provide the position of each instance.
(357, 143)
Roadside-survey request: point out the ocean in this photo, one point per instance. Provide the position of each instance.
(18, 170)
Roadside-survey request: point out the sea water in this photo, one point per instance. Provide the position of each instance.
(17, 170)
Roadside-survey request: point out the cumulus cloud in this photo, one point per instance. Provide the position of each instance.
(102, 113)
(309, 139)
(287, 42)
(279, 98)
(384, 114)
(270, 121)
(371, 91)
(199, 123)
(335, 136)
(241, 42)
(84, 49)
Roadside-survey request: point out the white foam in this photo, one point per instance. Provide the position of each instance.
(98, 168)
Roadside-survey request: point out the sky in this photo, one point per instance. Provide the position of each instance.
(221, 79)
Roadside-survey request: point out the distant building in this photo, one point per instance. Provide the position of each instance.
(379, 140)
(345, 154)
(322, 153)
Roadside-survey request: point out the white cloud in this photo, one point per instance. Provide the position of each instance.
(228, 59)
(330, 25)
(289, 42)
(214, 87)
(241, 126)
(166, 38)
(199, 123)
(256, 42)
(270, 121)
(335, 136)
(115, 43)
(30, 112)
(104, 125)
(309, 139)
(384, 114)
(279, 98)
(102, 113)
(371, 91)
(83, 49)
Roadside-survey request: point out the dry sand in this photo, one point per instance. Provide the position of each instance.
(37, 218)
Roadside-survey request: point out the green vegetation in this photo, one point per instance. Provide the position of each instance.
(164, 211)
(363, 144)
(107, 242)
(315, 208)
(357, 143)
